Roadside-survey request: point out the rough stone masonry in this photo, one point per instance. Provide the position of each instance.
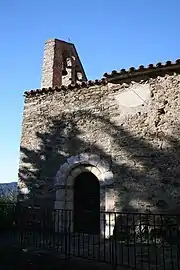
(123, 128)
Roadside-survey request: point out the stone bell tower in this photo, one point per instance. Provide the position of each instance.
(61, 65)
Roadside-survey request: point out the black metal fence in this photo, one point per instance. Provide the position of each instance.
(136, 240)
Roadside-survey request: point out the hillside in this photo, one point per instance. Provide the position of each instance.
(8, 189)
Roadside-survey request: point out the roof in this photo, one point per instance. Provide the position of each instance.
(141, 70)
(65, 88)
(115, 75)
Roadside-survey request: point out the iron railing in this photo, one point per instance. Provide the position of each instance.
(136, 240)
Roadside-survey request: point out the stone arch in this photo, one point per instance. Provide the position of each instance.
(83, 168)
(98, 166)
(74, 166)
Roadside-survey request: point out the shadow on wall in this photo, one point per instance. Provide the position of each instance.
(145, 177)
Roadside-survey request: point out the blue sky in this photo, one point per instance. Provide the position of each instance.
(107, 36)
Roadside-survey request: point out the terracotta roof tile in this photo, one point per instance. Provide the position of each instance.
(150, 67)
(65, 88)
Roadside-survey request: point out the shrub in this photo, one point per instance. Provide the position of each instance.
(7, 210)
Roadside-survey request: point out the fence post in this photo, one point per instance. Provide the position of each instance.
(114, 246)
(66, 233)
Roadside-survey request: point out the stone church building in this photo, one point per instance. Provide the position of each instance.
(105, 145)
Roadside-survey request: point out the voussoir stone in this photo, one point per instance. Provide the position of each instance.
(108, 178)
(94, 160)
(65, 168)
(73, 160)
(60, 178)
(103, 166)
(84, 157)
(76, 172)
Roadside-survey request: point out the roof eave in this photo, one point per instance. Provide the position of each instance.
(146, 72)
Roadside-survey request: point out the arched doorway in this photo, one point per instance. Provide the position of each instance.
(86, 212)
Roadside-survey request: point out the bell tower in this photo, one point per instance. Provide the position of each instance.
(61, 64)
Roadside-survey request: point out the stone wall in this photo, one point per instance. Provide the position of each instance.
(133, 127)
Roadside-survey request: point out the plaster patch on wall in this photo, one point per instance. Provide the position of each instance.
(133, 99)
(135, 96)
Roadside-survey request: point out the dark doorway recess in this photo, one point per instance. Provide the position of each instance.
(87, 204)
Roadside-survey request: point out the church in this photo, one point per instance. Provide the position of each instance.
(111, 144)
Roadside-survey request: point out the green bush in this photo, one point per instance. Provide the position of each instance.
(7, 210)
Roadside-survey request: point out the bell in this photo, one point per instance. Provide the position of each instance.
(64, 72)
